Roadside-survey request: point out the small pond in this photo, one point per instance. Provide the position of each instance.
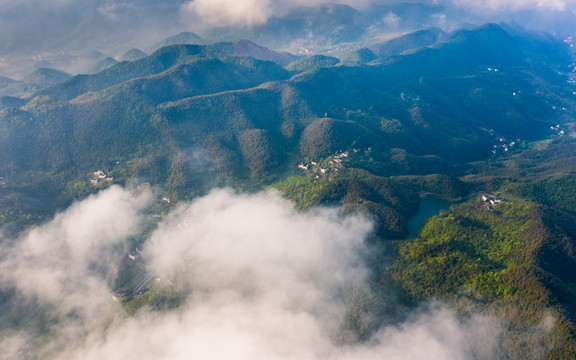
(429, 206)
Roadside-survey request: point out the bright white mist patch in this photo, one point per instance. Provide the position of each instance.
(514, 5)
(269, 283)
(228, 12)
(65, 262)
(254, 12)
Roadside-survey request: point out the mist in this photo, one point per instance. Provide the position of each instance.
(113, 26)
(265, 282)
(73, 35)
(257, 12)
(59, 263)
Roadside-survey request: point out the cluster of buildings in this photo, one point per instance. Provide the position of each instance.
(133, 255)
(98, 176)
(337, 159)
(336, 162)
(120, 293)
(502, 146)
(319, 170)
(557, 129)
(162, 278)
(489, 201)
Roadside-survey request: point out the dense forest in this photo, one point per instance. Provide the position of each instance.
(455, 115)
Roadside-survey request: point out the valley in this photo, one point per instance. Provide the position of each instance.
(346, 177)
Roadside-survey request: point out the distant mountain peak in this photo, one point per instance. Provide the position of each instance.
(102, 65)
(44, 76)
(133, 54)
(181, 38)
(249, 48)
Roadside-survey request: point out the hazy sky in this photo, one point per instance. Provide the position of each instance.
(213, 12)
(31, 27)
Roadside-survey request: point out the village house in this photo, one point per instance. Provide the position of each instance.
(489, 201)
(495, 201)
(120, 293)
(99, 174)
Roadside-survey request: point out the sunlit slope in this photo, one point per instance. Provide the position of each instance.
(515, 262)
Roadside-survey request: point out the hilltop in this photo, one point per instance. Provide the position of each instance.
(248, 114)
(429, 113)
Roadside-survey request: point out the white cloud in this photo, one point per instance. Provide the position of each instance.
(392, 20)
(113, 11)
(253, 12)
(247, 12)
(65, 263)
(512, 5)
(228, 12)
(239, 331)
(269, 283)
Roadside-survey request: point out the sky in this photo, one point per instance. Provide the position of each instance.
(18, 15)
(258, 11)
(268, 283)
(73, 35)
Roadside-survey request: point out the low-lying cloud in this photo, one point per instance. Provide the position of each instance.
(66, 262)
(265, 282)
(248, 12)
(255, 12)
(514, 5)
(228, 12)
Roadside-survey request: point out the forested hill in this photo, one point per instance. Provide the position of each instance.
(485, 110)
(441, 105)
(427, 111)
(511, 262)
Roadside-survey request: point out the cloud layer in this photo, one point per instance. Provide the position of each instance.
(62, 262)
(267, 283)
(254, 12)
(513, 5)
(229, 12)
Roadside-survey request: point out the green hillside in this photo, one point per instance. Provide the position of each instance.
(133, 55)
(34, 81)
(358, 57)
(103, 64)
(411, 41)
(249, 115)
(515, 262)
(161, 60)
(477, 110)
(312, 62)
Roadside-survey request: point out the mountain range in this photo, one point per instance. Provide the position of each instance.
(371, 127)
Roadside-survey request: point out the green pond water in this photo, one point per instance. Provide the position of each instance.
(429, 206)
